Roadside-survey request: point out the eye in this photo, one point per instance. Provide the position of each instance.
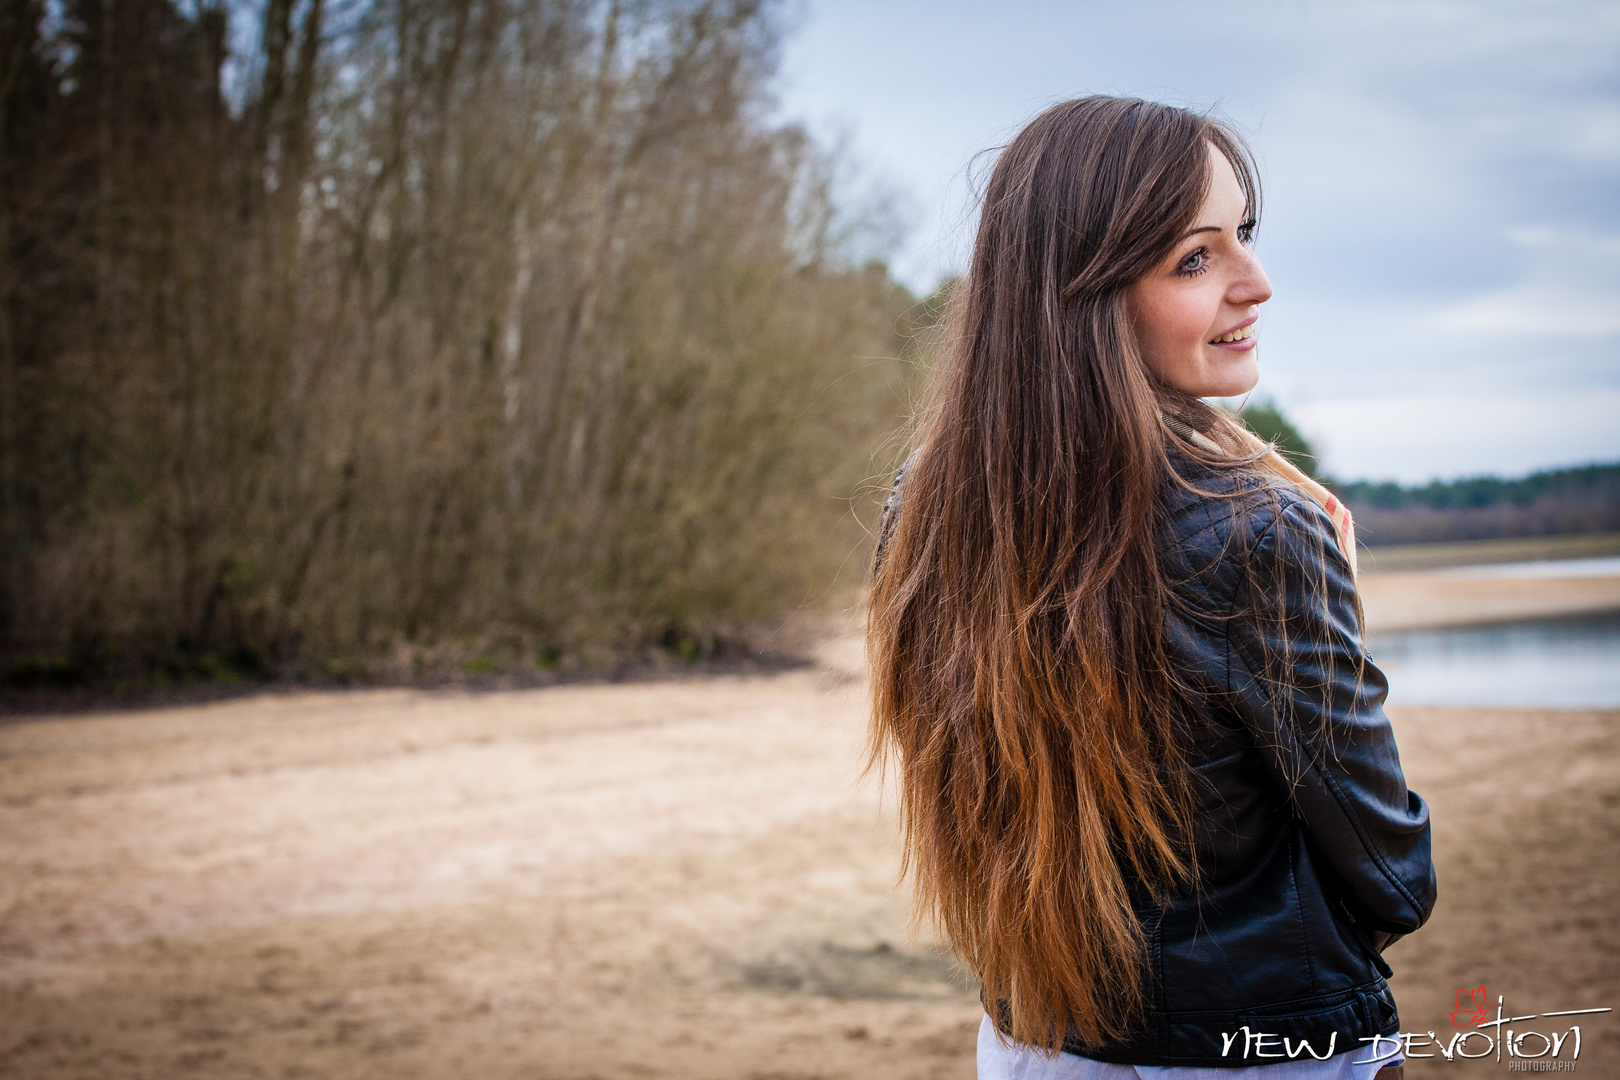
(1194, 264)
(1245, 231)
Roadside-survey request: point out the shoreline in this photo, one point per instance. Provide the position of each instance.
(1394, 558)
(1429, 600)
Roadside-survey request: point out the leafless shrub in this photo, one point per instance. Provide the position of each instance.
(476, 329)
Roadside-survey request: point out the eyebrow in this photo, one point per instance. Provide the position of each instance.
(1195, 232)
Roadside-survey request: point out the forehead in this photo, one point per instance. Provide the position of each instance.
(1225, 201)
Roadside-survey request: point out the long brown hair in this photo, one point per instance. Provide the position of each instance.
(1015, 629)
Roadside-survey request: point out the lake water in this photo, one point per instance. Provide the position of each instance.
(1558, 662)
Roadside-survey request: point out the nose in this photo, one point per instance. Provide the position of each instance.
(1250, 286)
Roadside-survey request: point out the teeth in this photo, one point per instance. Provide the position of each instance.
(1236, 335)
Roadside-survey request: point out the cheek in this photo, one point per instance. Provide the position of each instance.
(1173, 328)
(1191, 328)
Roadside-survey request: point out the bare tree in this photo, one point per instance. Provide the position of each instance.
(475, 328)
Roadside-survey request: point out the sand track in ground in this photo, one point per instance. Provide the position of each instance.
(682, 880)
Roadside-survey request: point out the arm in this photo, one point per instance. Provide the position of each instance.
(1301, 684)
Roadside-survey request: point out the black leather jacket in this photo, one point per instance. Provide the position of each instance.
(1312, 852)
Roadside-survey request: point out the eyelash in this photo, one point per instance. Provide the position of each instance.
(1202, 254)
(1245, 234)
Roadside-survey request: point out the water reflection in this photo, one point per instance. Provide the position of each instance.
(1560, 662)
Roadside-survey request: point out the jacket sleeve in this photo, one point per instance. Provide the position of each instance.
(891, 512)
(1302, 685)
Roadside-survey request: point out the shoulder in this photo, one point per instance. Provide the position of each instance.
(1219, 524)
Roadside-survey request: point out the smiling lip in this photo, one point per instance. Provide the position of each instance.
(1244, 337)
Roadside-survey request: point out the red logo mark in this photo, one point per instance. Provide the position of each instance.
(1470, 1010)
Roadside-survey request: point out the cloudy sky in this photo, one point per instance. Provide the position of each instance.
(1442, 222)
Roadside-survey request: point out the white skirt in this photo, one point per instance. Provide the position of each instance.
(1001, 1061)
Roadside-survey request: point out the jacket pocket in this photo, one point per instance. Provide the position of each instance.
(1372, 951)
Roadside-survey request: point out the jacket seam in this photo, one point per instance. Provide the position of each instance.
(1299, 913)
(1285, 1011)
(1287, 1006)
(1231, 602)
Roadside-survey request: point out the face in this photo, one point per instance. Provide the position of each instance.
(1195, 313)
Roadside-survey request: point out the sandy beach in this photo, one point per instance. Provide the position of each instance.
(677, 879)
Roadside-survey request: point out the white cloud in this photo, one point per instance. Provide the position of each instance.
(1572, 290)
(1403, 140)
(1414, 438)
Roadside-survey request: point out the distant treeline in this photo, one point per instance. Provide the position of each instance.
(1583, 499)
(479, 333)
(1577, 500)
(1586, 482)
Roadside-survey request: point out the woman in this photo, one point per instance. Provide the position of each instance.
(1148, 789)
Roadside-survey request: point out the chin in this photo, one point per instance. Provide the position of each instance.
(1233, 382)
